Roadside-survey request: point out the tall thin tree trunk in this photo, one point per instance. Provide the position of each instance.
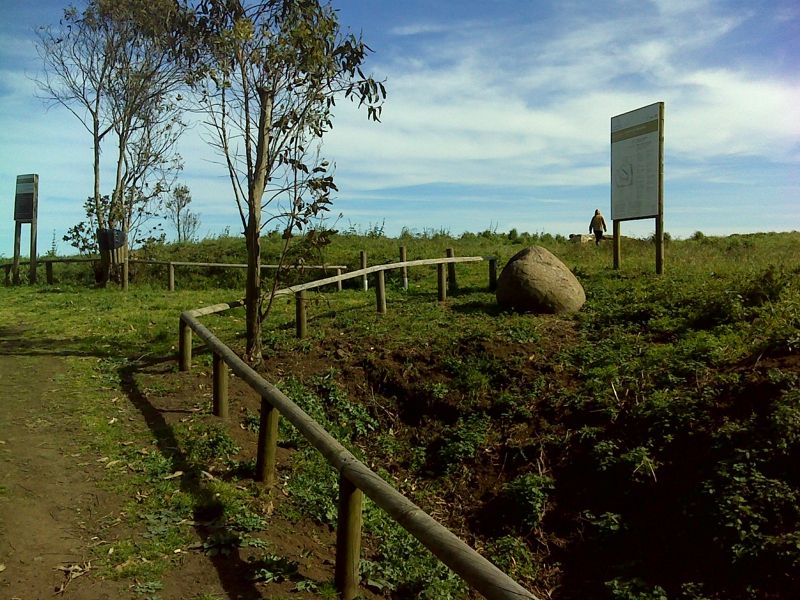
(117, 211)
(253, 284)
(253, 297)
(105, 257)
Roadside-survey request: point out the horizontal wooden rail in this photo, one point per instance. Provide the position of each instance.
(375, 268)
(48, 265)
(217, 308)
(44, 259)
(355, 477)
(337, 279)
(231, 265)
(172, 264)
(476, 570)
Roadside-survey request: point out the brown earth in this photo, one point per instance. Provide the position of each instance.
(50, 506)
(56, 512)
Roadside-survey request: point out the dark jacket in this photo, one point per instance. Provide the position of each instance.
(597, 223)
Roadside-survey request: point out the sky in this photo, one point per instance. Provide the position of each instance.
(497, 117)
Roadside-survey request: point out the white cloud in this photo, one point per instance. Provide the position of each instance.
(538, 113)
(723, 112)
(421, 28)
(502, 103)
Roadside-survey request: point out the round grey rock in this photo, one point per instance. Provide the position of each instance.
(534, 280)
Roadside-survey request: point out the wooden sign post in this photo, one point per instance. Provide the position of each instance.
(637, 173)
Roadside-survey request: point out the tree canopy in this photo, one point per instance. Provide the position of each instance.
(111, 65)
(267, 75)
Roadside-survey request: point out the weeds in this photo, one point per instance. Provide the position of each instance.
(663, 416)
(529, 495)
(463, 441)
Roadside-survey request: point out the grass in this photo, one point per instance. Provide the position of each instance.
(572, 451)
(103, 356)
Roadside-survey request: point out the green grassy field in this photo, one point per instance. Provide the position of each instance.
(646, 447)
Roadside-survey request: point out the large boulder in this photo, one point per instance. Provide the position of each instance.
(534, 280)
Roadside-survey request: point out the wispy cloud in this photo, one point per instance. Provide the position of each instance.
(546, 101)
(421, 29)
(500, 112)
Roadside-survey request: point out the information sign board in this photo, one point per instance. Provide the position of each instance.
(636, 163)
(26, 198)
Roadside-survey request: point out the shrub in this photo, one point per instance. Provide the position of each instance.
(462, 441)
(698, 236)
(529, 494)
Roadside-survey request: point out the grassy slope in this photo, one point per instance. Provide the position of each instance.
(641, 449)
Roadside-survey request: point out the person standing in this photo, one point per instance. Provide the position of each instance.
(598, 226)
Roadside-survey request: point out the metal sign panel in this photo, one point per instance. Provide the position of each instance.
(637, 163)
(26, 198)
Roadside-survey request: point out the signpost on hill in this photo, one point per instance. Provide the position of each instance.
(637, 173)
(26, 206)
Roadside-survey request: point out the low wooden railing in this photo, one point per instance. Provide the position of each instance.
(172, 264)
(301, 319)
(451, 277)
(49, 262)
(355, 478)
(48, 266)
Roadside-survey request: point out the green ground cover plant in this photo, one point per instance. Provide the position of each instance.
(645, 447)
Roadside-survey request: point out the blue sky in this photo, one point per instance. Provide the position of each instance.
(498, 117)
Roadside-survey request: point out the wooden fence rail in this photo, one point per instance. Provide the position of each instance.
(481, 574)
(355, 478)
(48, 265)
(49, 262)
(380, 291)
(337, 279)
(172, 264)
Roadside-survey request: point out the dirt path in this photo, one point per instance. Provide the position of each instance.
(55, 510)
(49, 504)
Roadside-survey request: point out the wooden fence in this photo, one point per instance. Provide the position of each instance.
(48, 263)
(364, 272)
(355, 478)
(172, 264)
(48, 266)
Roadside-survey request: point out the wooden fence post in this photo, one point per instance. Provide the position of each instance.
(451, 271)
(125, 274)
(267, 443)
(184, 346)
(442, 283)
(348, 539)
(48, 269)
(17, 241)
(220, 386)
(492, 273)
(171, 277)
(364, 266)
(380, 293)
(403, 258)
(339, 282)
(300, 314)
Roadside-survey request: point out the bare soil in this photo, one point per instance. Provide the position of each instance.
(56, 512)
(50, 505)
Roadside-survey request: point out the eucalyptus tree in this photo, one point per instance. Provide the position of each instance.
(78, 56)
(185, 221)
(268, 74)
(143, 99)
(109, 63)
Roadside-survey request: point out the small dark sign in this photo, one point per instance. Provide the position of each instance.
(26, 199)
(110, 239)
